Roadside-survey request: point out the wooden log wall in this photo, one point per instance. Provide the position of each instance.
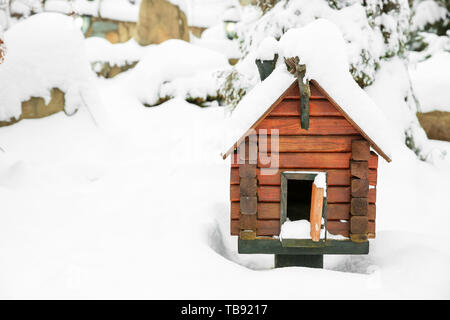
(248, 188)
(327, 146)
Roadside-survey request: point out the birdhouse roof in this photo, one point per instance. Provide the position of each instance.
(322, 50)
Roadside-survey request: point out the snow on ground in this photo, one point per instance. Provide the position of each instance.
(122, 211)
(431, 80)
(135, 205)
(214, 38)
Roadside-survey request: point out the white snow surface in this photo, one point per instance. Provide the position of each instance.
(330, 71)
(120, 10)
(168, 61)
(267, 49)
(45, 51)
(204, 13)
(427, 12)
(95, 205)
(431, 82)
(100, 49)
(214, 38)
(299, 229)
(200, 13)
(320, 181)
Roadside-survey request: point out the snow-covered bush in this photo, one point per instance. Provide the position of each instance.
(431, 16)
(25, 8)
(175, 68)
(430, 25)
(45, 51)
(233, 85)
(200, 88)
(373, 29)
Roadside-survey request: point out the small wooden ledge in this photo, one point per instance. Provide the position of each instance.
(301, 247)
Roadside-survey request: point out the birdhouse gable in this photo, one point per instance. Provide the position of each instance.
(327, 117)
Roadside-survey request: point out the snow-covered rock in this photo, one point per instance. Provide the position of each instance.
(167, 62)
(46, 51)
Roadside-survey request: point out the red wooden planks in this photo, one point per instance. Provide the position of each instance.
(317, 126)
(317, 108)
(308, 143)
(306, 160)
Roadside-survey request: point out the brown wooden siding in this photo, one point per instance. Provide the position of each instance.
(336, 177)
(317, 108)
(309, 143)
(324, 126)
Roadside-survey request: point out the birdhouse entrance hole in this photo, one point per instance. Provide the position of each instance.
(299, 199)
(303, 199)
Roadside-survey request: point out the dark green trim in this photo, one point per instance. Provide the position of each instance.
(266, 67)
(292, 260)
(274, 246)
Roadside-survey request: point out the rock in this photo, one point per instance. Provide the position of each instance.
(197, 31)
(113, 30)
(106, 70)
(35, 107)
(126, 30)
(160, 20)
(112, 36)
(436, 124)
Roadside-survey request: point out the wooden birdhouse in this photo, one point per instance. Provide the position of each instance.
(319, 181)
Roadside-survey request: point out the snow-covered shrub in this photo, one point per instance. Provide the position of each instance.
(174, 68)
(266, 5)
(25, 8)
(45, 51)
(391, 18)
(431, 16)
(200, 88)
(233, 85)
(373, 29)
(430, 27)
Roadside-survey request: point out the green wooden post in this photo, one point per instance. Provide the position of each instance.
(299, 70)
(305, 93)
(291, 260)
(266, 67)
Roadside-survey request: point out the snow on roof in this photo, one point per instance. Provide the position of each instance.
(255, 104)
(321, 47)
